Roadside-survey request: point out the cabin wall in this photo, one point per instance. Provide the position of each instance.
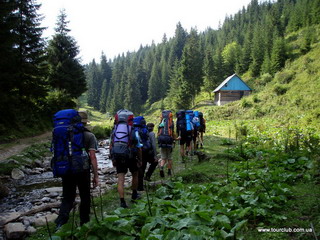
(224, 97)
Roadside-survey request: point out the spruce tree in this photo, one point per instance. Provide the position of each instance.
(208, 72)
(278, 55)
(105, 76)
(22, 62)
(65, 70)
(94, 82)
(191, 65)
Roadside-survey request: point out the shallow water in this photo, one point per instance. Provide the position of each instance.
(24, 193)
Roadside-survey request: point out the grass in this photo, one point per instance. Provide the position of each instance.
(301, 210)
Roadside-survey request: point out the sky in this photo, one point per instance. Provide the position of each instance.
(118, 26)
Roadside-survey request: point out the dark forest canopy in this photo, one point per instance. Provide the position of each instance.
(38, 77)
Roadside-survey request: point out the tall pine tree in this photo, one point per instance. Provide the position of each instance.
(65, 71)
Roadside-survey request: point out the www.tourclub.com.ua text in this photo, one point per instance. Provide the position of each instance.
(285, 230)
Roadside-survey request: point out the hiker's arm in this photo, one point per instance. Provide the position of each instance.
(94, 164)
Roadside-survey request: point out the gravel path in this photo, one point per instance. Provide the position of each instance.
(8, 150)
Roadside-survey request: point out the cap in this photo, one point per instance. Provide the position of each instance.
(84, 116)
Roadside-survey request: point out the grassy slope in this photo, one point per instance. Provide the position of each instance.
(291, 95)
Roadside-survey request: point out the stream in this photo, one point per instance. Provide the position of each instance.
(39, 187)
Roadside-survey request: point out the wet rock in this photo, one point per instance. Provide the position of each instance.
(38, 163)
(53, 189)
(4, 191)
(8, 217)
(41, 220)
(17, 174)
(31, 230)
(46, 199)
(15, 230)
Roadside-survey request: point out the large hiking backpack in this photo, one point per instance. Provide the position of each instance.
(189, 117)
(140, 127)
(196, 120)
(121, 135)
(181, 122)
(165, 131)
(69, 155)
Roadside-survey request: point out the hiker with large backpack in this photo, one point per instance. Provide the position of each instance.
(166, 137)
(201, 128)
(74, 148)
(192, 128)
(184, 130)
(196, 125)
(148, 150)
(125, 150)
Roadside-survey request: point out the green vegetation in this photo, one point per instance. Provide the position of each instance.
(274, 184)
(26, 157)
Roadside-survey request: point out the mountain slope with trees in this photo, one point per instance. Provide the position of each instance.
(251, 43)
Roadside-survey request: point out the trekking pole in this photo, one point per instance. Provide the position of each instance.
(148, 199)
(94, 209)
(101, 208)
(47, 224)
(73, 220)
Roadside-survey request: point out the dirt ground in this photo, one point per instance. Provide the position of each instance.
(14, 148)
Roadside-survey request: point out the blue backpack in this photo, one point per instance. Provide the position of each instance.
(69, 155)
(189, 117)
(140, 127)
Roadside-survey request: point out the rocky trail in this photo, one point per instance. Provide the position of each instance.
(34, 195)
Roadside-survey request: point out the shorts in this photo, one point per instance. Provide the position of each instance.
(186, 138)
(122, 166)
(166, 153)
(202, 128)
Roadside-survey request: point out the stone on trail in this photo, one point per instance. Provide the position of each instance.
(17, 174)
(15, 230)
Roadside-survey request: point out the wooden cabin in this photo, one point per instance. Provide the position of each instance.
(231, 89)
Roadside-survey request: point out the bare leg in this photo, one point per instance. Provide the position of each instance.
(121, 184)
(134, 181)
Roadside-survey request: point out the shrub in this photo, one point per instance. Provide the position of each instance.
(265, 78)
(285, 76)
(245, 103)
(101, 132)
(280, 89)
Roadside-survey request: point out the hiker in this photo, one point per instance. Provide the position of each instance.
(196, 135)
(166, 139)
(184, 135)
(190, 127)
(126, 153)
(149, 155)
(201, 128)
(76, 178)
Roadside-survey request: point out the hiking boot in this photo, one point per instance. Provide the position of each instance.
(58, 226)
(147, 178)
(162, 173)
(201, 145)
(135, 197)
(123, 205)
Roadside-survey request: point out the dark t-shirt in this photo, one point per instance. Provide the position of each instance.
(90, 141)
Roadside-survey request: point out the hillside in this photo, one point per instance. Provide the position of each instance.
(291, 95)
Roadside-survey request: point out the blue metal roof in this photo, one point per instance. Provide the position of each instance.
(233, 83)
